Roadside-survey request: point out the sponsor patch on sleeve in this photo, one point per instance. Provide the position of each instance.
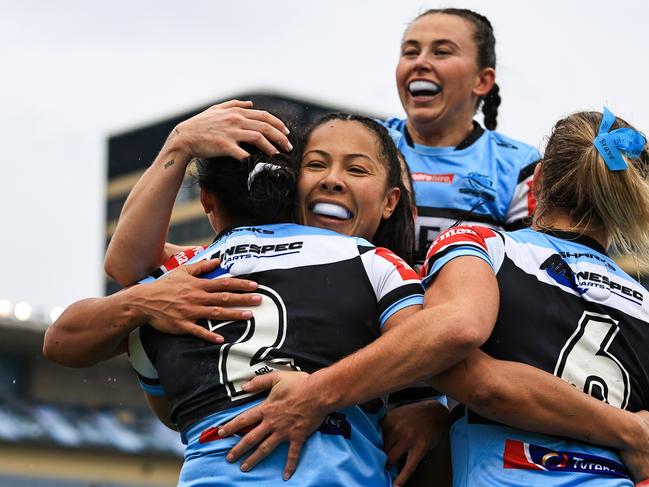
(179, 258)
(468, 240)
(405, 271)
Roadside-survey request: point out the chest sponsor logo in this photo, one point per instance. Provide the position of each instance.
(245, 251)
(526, 456)
(422, 177)
(559, 270)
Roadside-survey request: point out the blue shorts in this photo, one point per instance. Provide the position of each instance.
(348, 453)
(495, 455)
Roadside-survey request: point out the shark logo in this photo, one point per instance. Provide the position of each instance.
(478, 185)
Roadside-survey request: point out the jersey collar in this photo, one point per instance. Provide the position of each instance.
(472, 137)
(579, 238)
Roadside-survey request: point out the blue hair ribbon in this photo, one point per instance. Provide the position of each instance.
(611, 145)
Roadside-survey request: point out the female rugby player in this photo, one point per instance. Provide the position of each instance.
(461, 171)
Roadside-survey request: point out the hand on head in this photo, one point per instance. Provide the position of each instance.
(219, 130)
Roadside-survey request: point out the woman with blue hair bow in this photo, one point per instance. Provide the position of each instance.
(559, 304)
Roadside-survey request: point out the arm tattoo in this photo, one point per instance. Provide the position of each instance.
(168, 164)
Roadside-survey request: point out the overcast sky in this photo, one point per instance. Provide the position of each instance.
(74, 72)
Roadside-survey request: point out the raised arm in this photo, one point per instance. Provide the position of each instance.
(138, 244)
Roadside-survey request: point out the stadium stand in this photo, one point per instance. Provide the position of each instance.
(76, 427)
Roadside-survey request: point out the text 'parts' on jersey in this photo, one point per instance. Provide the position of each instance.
(486, 183)
(567, 308)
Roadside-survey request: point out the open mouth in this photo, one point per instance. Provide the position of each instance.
(424, 88)
(332, 210)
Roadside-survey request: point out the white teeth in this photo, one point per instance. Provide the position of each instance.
(424, 88)
(329, 209)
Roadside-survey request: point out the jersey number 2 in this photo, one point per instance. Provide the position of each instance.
(247, 356)
(586, 363)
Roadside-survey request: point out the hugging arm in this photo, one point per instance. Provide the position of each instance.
(423, 344)
(93, 330)
(525, 397)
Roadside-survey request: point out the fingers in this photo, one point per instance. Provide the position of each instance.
(233, 150)
(257, 139)
(222, 301)
(268, 130)
(262, 382)
(390, 438)
(294, 450)
(235, 103)
(202, 333)
(412, 460)
(264, 116)
(260, 115)
(202, 267)
(395, 452)
(244, 420)
(229, 284)
(249, 441)
(265, 448)
(224, 314)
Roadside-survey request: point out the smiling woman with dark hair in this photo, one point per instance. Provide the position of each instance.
(461, 171)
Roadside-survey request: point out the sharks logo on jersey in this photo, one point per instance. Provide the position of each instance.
(487, 182)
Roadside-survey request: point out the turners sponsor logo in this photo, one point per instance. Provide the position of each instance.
(423, 177)
(526, 456)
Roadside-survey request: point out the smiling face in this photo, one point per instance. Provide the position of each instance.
(343, 181)
(438, 78)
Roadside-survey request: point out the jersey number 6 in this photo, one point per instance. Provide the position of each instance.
(586, 363)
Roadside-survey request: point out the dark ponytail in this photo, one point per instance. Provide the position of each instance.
(490, 106)
(269, 197)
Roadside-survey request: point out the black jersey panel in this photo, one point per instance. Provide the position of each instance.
(319, 315)
(542, 325)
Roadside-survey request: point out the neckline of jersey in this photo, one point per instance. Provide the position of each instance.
(229, 228)
(475, 134)
(579, 238)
